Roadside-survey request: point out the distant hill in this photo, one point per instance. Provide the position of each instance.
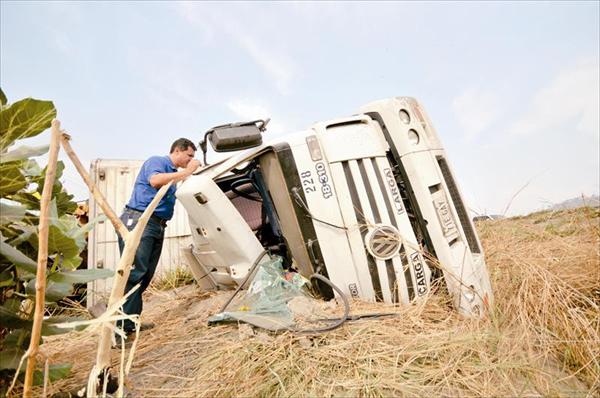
(592, 201)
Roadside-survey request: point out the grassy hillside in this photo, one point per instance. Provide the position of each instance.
(542, 336)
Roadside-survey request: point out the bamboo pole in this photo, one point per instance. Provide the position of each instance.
(118, 288)
(42, 260)
(116, 222)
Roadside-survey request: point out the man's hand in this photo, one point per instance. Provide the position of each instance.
(192, 166)
(158, 180)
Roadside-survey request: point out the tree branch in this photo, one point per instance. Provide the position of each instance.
(116, 222)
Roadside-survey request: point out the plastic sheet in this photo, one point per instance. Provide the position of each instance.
(265, 303)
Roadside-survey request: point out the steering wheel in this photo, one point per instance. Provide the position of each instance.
(234, 188)
(243, 170)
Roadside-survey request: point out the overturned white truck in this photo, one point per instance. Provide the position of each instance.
(368, 201)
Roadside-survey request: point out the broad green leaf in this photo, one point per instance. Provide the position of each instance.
(31, 168)
(6, 282)
(24, 152)
(18, 338)
(68, 247)
(60, 242)
(7, 279)
(69, 224)
(11, 213)
(80, 275)
(72, 263)
(62, 237)
(10, 358)
(65, 237)
(11, 178)
(55, 372)
(60, 285)
(70, 228)
(26, 233)
(55, 320)
(64, 201)
(25, 118)
(55, 291)
(9, 318)
(60, 166)
(12, 304)
(20, 260)
(91, 224)
(27, 199)
(3, 99)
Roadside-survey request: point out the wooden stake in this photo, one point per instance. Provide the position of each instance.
(42, 260)
(121, 276)
(116, 222)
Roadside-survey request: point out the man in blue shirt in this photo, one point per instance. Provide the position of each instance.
(155, 172)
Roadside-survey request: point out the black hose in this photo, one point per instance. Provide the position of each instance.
(360, 316)
(341, 320)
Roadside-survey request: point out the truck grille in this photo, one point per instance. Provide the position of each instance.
(360, 218)
(374, 206)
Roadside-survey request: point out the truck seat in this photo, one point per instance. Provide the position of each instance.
(250, 210)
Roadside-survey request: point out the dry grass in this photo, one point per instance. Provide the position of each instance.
(172, 279)
(542, 337)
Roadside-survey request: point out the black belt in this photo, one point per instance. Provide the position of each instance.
(159, 220)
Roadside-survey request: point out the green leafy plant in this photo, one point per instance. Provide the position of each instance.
(21, 183)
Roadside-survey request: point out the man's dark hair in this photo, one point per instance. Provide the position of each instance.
(182, 144)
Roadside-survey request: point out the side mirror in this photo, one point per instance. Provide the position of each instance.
(234, 136)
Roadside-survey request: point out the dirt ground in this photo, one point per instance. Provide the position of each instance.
(541, 337)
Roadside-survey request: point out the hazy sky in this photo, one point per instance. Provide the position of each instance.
(511, 87)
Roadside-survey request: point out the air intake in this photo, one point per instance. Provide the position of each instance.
(459, 205)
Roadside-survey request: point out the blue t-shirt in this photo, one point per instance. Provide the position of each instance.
(143, 192)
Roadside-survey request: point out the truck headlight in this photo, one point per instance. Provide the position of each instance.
(413, 137)
(404, 116)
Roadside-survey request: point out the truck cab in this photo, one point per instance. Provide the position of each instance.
(368, 201)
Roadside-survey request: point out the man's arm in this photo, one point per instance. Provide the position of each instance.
(160, 179)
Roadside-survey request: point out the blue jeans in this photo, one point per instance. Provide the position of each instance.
(144, 263)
